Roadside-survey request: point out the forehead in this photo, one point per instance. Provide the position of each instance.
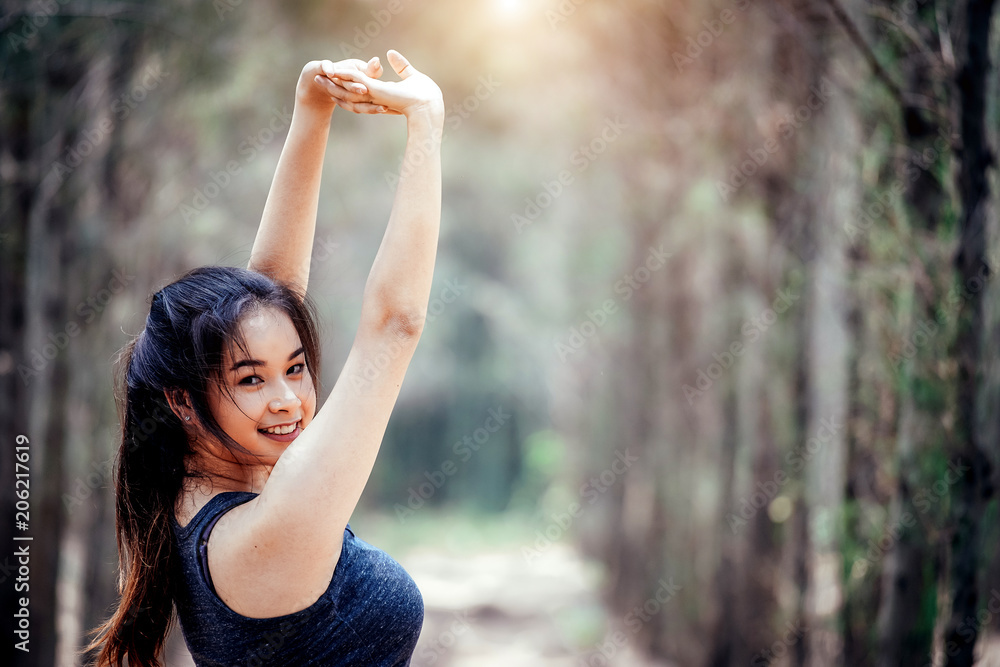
(268, 332)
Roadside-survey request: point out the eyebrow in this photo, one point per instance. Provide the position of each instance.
(256, 362)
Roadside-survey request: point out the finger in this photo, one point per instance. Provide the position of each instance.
(335, 70)
(359, 77)
(340, 92)
(349, 74)
(339, 79)
(363, 107)
(330, 67)
(400, 64)
(366, 67)
(327, 67)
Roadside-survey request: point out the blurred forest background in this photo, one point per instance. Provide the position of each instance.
(711, 373)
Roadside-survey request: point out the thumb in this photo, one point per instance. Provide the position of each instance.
(400, 64)
(373, 68)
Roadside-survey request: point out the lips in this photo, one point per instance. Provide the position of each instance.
(281, 436)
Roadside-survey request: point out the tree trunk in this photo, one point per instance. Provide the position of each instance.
(972, 489)
(727, 644)
(54, 131)
(905, 581)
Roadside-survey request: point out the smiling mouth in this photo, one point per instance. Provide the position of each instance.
(286, 429)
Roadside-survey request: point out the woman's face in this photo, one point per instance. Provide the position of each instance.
(267, 396)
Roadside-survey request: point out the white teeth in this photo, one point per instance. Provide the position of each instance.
(281, 430)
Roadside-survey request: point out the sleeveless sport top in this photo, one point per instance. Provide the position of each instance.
(370, 614)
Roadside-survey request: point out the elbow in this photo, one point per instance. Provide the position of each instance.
(406, 324)
(398, 322)
(388, 312)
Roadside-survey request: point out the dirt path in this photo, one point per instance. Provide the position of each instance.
(494, 608)
(499, 609)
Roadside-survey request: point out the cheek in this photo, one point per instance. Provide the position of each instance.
(237, 411)
(309, 398)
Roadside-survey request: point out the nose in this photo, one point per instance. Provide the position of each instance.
(285, 399)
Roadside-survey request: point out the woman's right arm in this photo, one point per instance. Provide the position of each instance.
(294, 529)
(323, 472)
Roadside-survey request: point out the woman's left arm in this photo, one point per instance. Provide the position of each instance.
(283, 246)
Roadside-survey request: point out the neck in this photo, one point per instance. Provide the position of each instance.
(210, 474)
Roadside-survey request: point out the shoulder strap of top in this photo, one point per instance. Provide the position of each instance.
(200, 527)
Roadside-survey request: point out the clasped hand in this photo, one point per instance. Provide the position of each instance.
(354, 85)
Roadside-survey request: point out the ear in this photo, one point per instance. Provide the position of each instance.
(180, 404)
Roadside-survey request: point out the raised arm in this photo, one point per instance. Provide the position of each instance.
(284, 241)
(329, 464)
(284, 544)
(399, 283)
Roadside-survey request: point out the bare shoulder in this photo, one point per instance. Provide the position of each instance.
(188, 505)
(259, 572)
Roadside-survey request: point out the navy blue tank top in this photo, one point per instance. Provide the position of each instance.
(370, 614)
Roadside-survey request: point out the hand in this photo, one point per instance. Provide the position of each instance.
(415, 94)
(318, 89)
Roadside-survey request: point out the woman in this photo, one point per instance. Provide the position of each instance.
(233, 492)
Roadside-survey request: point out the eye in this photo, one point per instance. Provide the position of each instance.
(249, 380)
(296, 369)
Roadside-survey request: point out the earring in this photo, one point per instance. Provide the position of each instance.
(187, 419)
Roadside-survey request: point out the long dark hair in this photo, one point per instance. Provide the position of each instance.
(191, 323)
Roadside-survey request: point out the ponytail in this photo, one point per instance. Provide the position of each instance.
(148, 478)
(190, 324)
